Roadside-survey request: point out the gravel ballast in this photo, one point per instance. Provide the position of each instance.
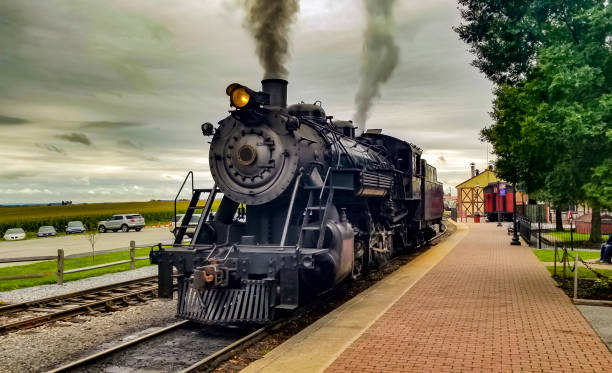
(51, 345)
(51, 290)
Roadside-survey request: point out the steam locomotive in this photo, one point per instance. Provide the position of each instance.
(322, 205)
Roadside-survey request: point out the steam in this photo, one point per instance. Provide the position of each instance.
(379, 58)
(269, 22)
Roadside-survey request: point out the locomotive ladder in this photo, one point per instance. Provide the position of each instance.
(316, 204)
(193, 206)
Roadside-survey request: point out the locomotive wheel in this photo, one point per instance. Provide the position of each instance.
(360, 259)
(381, 249)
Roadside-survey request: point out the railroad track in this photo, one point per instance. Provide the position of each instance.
(127, 355)
(105, 298)
(206, 360)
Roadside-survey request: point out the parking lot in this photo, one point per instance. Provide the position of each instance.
(75, 244)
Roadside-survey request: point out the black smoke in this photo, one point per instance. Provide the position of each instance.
(379, 57)
(269, 22)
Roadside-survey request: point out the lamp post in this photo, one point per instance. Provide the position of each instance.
(498, 197)
(515, 238)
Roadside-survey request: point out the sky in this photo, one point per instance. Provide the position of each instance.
(103, 100)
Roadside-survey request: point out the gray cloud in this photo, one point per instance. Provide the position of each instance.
(148, 73)
(52, 148)
(111, 124)
(13, 175)
(130, 144)
(80, 138)
(12, 120)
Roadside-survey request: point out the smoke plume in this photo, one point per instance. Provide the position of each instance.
(269, 22)
(379, 57)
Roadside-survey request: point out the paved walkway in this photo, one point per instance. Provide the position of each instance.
(485, 306)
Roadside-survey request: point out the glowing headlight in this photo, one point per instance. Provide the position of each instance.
(240, 97)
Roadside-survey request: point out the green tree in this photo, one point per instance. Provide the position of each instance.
(552, 108)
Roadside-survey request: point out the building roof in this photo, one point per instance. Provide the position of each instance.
(482, 180)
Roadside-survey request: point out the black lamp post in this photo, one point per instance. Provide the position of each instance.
(515, 237)
(499, 214)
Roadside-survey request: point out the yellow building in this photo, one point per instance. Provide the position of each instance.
(470, 197)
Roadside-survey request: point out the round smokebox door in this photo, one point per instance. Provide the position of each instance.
(252, 165)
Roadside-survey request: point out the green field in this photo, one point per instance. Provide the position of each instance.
(50, 267)
(30, 218)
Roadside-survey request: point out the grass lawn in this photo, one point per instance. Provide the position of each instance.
(51, 268)
(549, 255)
(582, 272)
(566, 236)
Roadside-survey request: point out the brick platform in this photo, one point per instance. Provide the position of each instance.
(487, 306)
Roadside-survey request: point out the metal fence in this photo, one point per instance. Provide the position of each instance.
(543, 235)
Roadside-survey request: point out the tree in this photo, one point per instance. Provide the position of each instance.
(92, 236)
(506, 35)
(552, 109)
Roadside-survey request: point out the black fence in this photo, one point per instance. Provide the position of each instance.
(544, 235)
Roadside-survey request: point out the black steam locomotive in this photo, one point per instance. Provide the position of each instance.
(321, 205)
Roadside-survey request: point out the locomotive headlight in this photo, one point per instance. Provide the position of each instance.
(240, 97)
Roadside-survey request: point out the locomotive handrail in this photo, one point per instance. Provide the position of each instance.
(324, 182)
(190, 173)
(290, 209)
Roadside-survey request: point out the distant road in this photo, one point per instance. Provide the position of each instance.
(75, 244)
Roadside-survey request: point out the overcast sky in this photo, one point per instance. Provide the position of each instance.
(103, 100)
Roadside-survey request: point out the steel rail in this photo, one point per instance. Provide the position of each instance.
(208, 361)
(11, 308)
(84, 307)
(103, 354)
(213, 360)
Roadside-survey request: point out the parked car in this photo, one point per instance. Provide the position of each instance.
(14, 234)
(75, 227)
(195, 218)
(46, 230)
(123, 222)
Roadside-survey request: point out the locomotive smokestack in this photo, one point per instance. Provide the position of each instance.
(277, 89)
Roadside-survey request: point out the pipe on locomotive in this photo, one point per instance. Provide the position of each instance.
(277, 89)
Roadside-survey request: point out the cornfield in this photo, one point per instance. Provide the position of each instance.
(30, 218)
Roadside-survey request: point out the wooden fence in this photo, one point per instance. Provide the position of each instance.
(60, 264)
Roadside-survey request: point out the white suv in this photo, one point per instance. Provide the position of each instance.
(123, 222)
